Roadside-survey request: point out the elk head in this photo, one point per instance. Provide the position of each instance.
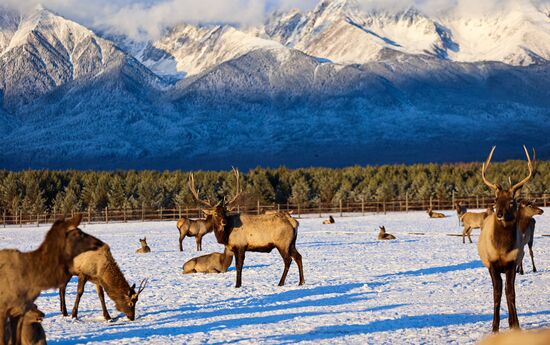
(219, 211)
(506, 206)
(128, 307)
(530, 209)
(75, 241)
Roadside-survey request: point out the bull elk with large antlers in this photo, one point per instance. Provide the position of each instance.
(500, 243)
(254, 233)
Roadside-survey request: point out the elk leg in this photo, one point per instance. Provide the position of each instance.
(532, 256)
(239, 262)
(497, 296)
(79, 291)
(182, 236)
(3, 329)
(511, 298)
(298, 258)
(287, 260)
(62, 300)
(464, 233)
(101, 295)
(198, 240)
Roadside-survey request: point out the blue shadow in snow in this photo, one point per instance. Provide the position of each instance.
(391, 325)
(340, 295)
(436, 269)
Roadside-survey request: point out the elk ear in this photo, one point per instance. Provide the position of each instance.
(75, 221)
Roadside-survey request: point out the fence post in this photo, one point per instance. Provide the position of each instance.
(89, 215)
(258, 206)
(431, 201)
(453, 205)
(179, 212)
(124, 214)
(544, 198)
(477, 201)
(142, 212)
(161, 213)
(407, 202)
(363, 205)
(4, 218)
(384, 205)
(107, 215)
(299, 211)
(340, 207)
(320, 210)
(38, 220)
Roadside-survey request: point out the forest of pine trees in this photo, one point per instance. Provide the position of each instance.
(38, 191)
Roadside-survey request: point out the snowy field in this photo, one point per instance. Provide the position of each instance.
(418, 289)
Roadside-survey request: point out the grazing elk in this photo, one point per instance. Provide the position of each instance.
(100, 268)
(194, 228)
(473, 220)
(500, 246)
(144, 247)
(210, 263)
(460, 211)
(330, 220)
(382, 235)
(24, 275)
(526, 223)
(254, 233)
(433, 214)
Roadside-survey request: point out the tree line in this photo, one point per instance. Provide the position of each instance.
(38, 191)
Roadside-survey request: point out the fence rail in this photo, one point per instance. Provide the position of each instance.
(344, 206)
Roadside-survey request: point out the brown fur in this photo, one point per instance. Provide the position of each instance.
(24, 275)
(30, 326)
(330, 220)
(471, 221)
(144, 247)
(210, 263)
(460, 210)
(100, 268)
(258, 233)
(526, 224)
(433, 214)
(500, 243)
(382, 235)
(194, 228)
(532, 337)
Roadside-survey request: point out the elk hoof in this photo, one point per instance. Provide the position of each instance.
(302, 283)
(64, 313)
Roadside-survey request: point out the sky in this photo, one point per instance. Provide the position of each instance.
(146, 19)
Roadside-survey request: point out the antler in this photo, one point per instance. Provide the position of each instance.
(142, 285)
(531, 169)
(238, 191)
(484, 169)
(191, 184)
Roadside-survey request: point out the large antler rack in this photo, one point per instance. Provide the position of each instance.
(191, 184)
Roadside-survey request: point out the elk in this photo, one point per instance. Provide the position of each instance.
(526, 223)
(460, 211)
(473, 220)
(30, 327)
(254, 233)
(144, 247)
(24, 275)
(330, 220)
(194, 228)
(210, 263)
(100, 268)
(382, 235)
(433, 214)
(499, 245)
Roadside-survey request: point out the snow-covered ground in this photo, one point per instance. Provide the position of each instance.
(418, 289)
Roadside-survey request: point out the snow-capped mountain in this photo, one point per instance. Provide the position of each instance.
(339, 85)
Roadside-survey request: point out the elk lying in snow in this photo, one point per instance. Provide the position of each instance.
(100, 268)
(210, 263)
(330, 220)
(30, 327)
(460, 211)
(526, 223)
(144, 247)
(433, 214)
(382, 235)
(24, 275)
(499, 246)
(473, 220)
(195, 228)
(256, 233)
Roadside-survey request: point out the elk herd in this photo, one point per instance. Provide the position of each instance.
(506, 228)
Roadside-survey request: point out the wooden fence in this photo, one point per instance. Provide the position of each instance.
(321, 209)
